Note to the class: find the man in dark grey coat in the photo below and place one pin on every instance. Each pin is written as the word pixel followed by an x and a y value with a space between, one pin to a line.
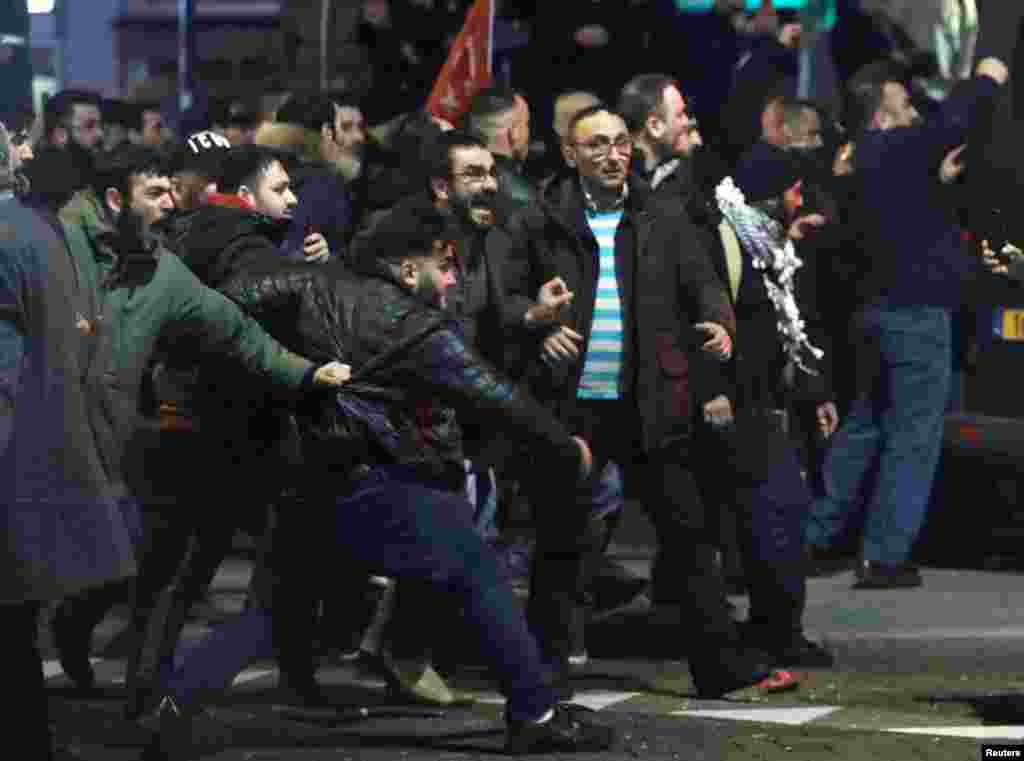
pixel 62 526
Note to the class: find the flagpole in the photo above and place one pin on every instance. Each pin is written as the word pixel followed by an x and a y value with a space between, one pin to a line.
pixel 325 26
pixel 490 41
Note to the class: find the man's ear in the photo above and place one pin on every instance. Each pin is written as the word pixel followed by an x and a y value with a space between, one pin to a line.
pixel 655 126
pixel 440 187
pixel 114 200
pixel 247 195
pixel 408 273
pixel 59 137
pixel 568 154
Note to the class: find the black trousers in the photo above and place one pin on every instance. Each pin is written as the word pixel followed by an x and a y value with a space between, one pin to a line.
pixel 196 490
pixel 684 572
pixel 29 729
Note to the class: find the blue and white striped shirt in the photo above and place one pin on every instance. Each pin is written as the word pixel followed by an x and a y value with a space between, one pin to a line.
pixel 602 366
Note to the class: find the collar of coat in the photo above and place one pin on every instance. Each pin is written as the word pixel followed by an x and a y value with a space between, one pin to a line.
pixel 569 203
pixel 85 211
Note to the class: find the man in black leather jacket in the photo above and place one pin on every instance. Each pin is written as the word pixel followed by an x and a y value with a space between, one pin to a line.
pixel 383 460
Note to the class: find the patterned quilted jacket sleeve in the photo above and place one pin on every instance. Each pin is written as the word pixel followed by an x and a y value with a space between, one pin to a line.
pixel 444 362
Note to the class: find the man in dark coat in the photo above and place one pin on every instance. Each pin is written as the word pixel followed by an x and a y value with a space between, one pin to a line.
pixel 383 461
pixel 740 474
pixel 627 370
pixel 63 528
pixel 462 178
pixel 885 455
pixel 327 134
pixel 140 296
pixel 236 437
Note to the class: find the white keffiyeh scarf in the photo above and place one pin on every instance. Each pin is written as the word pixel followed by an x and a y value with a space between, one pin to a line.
pixel 774 255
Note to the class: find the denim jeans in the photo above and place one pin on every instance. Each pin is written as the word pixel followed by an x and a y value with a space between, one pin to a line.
pixel 884 457
pixel 394 525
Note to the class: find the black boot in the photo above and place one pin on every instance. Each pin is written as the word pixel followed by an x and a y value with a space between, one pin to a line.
pixel 72 637
pixel 158 631
pixel 173 738
pixel 568 730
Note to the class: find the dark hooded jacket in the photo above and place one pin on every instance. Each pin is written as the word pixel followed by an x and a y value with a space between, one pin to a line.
pixel 223 238
pixel 218 242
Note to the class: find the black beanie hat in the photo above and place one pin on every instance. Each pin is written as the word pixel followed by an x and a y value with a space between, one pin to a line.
pixel 766 171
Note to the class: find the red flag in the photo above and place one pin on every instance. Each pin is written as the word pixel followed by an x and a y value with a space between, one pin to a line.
pixel 468 68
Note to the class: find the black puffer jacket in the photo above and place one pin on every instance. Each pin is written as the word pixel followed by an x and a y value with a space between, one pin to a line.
pixel 223 238
pixel 218 242
pixel 413 375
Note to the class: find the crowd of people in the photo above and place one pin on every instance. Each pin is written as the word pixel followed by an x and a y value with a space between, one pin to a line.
pixel 382 352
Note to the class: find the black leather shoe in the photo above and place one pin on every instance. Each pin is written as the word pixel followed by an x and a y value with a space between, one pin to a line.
pixel 820 561
pixel 173 739
pixel 738 670
pixel 141 700
pixel 72 643
pixel 567 731
pixel 801 653
pixel 795 651
pixel 558 676
pixel 305 692
pixel 874 575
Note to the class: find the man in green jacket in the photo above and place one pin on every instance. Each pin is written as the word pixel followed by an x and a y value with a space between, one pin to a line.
pixel 138 296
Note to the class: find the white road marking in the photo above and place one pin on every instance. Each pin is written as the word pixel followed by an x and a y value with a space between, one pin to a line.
pixel 978 732
pixel 595 700
pixel 792 716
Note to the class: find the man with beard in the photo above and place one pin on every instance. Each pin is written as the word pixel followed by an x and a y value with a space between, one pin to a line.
pixel 237 436
pixel 73 121
pixel 327 135
pixel 501 119
pixel 140 296
pixel 884 457
pixel 462 185
pixel 383 465
pixel 664 132
pixel 753 505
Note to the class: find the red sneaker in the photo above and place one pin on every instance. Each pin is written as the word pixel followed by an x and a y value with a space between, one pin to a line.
pixel 778 681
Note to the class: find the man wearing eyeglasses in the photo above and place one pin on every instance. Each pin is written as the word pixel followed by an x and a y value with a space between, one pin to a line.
pixel 648 322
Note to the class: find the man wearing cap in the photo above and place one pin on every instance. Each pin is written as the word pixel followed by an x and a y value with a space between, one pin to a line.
pixel 195 169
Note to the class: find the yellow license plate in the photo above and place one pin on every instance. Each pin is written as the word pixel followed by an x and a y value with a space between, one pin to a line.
pixel 1010 326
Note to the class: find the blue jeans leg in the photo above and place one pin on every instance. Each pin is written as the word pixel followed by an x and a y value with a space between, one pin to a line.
pixel 395 526
pixel 916 353
pixel 851 459
pixel 211 665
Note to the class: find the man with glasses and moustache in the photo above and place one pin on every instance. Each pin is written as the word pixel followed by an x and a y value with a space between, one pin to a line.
pixel 644 333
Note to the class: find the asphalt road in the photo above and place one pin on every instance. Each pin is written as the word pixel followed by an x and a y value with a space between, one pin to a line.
pixel 930 673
